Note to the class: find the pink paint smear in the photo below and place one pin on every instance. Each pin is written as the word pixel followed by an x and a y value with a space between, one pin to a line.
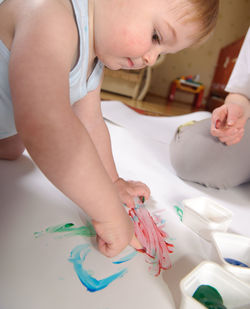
pixel 152 239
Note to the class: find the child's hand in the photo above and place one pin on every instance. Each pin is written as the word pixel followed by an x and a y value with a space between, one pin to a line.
pixel 128 190
pixel 114 236
pixel 135 243
pixel 228 123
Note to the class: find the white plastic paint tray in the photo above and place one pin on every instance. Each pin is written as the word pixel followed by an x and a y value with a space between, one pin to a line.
pixel 236 247
pixel 204 216
pixel 234 292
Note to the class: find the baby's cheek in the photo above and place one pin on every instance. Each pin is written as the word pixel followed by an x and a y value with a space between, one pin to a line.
pixel 135 45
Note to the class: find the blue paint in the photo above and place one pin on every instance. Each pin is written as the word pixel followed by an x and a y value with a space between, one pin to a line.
pixel 134 218
pixel 77 257
pixel 236 262
pixel 126 258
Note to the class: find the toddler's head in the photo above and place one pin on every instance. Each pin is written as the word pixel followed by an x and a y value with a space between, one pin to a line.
pixel 131 34
pixel 202 12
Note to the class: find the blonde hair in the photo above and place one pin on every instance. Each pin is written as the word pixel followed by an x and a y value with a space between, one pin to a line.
pixel 204 12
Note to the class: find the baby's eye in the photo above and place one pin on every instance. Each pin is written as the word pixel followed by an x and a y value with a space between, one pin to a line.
pixel 156 38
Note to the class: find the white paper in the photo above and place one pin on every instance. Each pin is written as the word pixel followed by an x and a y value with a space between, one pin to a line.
pixel 36 273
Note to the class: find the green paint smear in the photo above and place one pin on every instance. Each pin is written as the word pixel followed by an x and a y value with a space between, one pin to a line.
pixel 70 230
pixel 179 211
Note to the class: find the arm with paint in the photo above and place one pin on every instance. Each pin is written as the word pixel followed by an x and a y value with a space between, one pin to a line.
pixel 88 111
pixel 56 140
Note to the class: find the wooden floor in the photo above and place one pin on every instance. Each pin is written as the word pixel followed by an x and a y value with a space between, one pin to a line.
pixel 154 105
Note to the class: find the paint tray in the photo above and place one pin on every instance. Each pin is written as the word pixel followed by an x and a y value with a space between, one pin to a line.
pixel 236 247
pixel 204 216
pixel 234 292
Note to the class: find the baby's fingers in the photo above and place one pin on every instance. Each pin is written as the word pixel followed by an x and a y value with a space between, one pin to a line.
pixel 128 200
pixel 135 243
pixel 139 189
pixel 108 249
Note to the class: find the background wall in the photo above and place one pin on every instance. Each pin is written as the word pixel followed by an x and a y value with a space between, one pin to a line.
pixel 233 22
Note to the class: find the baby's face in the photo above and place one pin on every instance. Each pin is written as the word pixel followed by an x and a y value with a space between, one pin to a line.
pixel 131 34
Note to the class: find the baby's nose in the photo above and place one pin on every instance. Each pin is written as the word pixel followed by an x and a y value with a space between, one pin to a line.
pixel 150 58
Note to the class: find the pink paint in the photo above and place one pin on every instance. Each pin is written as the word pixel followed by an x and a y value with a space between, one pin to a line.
pixel 152 238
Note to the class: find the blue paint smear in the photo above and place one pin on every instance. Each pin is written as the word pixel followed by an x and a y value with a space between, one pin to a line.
pixel 77 257
pixel 235 262
pixel 126 258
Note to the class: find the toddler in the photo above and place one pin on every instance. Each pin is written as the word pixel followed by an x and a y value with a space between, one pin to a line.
pixel 52 54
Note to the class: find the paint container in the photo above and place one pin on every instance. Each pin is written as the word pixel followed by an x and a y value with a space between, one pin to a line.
pixel 204 216
pixel 236 247
pixel 234 292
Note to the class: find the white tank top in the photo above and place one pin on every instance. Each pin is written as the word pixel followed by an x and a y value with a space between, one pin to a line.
pixel 79 85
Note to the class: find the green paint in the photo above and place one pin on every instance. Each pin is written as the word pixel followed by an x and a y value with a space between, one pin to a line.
pixel 179 211
pixel 38 234
pixel 142 198
pixel 70 230
pixel 209 297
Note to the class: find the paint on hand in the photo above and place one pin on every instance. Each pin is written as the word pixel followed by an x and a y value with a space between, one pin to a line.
pixel 142 199
pixel 70 230
pixel 209 297
pixel 152 238
pixel 77 257
pixel 236 262
pixel 126 258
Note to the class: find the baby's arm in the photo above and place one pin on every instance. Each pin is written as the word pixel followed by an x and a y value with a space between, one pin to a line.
pixel 40 62
pixel 228 121
pixel 89 112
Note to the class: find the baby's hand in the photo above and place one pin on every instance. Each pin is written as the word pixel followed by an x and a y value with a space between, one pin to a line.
pixel 228 123
pixel 135 243
pixel 114 236
pixel 128 190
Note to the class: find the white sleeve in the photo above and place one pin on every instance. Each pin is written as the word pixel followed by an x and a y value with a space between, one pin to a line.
pixel 239 81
